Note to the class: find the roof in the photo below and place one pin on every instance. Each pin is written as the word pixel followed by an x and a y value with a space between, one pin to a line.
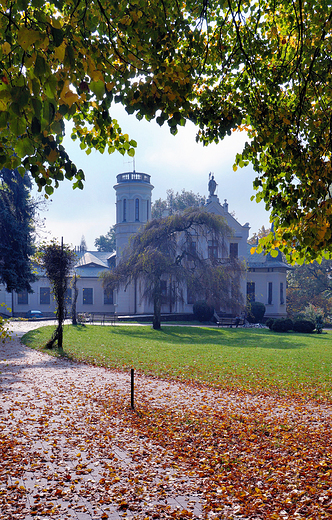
pixel 90 260
pixel 260 260
pixel 89 263
pixel 99 258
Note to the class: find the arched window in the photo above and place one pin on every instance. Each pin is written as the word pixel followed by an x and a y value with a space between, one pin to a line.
pixel 136 209
pixel 124 216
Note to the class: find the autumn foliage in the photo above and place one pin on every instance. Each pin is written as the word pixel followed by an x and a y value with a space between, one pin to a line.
pixel 260 67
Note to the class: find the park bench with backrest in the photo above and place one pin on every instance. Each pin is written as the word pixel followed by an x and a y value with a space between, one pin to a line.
pixel 228 321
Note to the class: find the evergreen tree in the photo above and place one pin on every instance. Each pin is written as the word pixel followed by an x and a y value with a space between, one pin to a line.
pixel 83 246
pixel 17 211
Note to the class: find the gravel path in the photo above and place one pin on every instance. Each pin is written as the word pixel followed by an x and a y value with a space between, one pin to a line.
pixel 65 456
pixel 46 413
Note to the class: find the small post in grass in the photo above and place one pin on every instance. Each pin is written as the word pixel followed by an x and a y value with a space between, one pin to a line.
pixel 132 389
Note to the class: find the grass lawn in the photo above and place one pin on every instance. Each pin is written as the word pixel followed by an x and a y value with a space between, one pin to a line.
pixel 253 359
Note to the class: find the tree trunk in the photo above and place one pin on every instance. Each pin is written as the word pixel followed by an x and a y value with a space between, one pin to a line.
pixel 74 302
pixel 156 323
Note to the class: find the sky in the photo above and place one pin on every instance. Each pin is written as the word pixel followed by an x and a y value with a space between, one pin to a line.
pixel 175 162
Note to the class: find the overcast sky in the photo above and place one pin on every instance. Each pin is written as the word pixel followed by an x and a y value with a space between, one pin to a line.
pixel 175 162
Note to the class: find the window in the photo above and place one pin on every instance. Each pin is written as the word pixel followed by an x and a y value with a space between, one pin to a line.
pixel 44 296
pixel 250 292
pixel 22 297
pixel 108 297
pixel 147 209
pixel 269 293
pixel 88 296
pixel 282 299
pixel 124 215
pixel 212 249
pixel 234 250
pixel 136 209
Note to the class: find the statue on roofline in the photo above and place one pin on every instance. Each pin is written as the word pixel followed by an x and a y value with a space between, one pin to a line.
pixel 212 184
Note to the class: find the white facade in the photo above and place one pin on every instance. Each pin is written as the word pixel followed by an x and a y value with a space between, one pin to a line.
pixel 265 277
pixel 91 295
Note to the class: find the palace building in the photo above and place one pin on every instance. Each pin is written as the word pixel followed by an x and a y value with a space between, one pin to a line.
pixel 264 279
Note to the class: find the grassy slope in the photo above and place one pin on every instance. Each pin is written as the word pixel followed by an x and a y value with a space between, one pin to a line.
pixel 251 358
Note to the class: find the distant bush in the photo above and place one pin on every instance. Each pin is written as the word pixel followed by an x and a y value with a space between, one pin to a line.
pixel 311 313
pixel 303 326
pixel 202 311
pixel 282 325
pixel 255 312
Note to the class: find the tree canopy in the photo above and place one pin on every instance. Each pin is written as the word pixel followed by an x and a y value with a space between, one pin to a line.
pixel 310 284
pixel 174 249
pixel 17 211
pixel 57 260
pixel 262 232
pixel 106 242
pixel 261 66
pixel 176 202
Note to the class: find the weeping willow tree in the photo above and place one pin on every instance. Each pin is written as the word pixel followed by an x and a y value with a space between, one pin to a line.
pixel 175 249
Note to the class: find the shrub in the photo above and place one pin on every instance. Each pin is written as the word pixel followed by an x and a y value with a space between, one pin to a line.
pixel 319 324
pixel 255 312
pixel 202 311
pixel 303 326
pixel 269 322
pixel 282 325
pixel 4 328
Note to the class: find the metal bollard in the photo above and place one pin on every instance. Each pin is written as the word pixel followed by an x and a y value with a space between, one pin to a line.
pixel 132 389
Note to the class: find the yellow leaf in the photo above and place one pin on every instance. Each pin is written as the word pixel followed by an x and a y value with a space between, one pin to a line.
pixel 96 75
pixel 65 89
pixel 59 52
pixel 5 98
pixel 109 86
pixel 6 48
pixel 27 37
pixel 51 158
pixel 70 98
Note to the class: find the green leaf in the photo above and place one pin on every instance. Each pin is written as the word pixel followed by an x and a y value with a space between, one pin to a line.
pixel 17 125
pixel 35 126
pixel 69 60
pixel 49 110
pixel 57 36
pixel 24 147
pixel 98 88
pixel 40 66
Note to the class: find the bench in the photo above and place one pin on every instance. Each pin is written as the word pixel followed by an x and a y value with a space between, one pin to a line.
pixel 228 322
pixel 97 318
pixel 104 318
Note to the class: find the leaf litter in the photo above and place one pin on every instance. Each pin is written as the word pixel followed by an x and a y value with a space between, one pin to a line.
pixel 72 448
